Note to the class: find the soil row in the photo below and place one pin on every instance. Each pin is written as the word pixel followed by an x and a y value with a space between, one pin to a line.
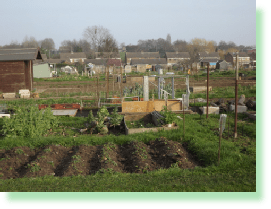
pixel 56 160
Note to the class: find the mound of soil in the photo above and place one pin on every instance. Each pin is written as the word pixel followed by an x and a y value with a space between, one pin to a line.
pixel 56 160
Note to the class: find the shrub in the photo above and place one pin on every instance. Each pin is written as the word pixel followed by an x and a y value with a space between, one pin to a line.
pixel 116 118
pixel 169 116
pixel 29 122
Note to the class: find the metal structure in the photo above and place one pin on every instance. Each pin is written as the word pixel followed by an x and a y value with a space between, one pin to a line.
pixel 100 103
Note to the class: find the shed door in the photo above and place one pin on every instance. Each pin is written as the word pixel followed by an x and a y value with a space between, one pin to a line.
pixel 27 75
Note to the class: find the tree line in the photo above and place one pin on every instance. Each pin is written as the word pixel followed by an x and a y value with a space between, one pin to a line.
pixel 99 39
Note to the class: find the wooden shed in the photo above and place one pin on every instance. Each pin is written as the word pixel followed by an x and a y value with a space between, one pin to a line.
pixel 16 69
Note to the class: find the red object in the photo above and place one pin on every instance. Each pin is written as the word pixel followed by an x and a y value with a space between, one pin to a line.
pixel 61 106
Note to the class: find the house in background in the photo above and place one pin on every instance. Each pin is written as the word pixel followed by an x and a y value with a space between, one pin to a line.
pixel 41 71
pixel 107 55
pixel 249 51
pixel 73 57
pixel 141 55
pixel 206 55
pixel 253 60
pixel 174 58
pixel 16 69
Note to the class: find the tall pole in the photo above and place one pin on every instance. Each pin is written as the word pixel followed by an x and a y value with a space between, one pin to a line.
pixel 121 94
pixel 207 91
pixel 220 135
pixel 98 90
pixel 236 96
pixel 183 117
pixel 113 80
pixel 159 91
pixel 107 73
pixel 173 93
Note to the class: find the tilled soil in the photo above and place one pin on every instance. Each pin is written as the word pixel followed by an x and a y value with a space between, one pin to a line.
pixel 87 86
pixel 56 160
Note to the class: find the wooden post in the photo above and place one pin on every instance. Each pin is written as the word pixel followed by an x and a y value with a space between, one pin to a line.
pixel 228 127
pixel 220 135
pixel 113 79
pixel 98 90
pixel 183 117
pixel 207 91
pixel 236 97
pixel 107 83
pixel 121 95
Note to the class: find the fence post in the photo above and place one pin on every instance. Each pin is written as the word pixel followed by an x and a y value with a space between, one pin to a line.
pixel 220 135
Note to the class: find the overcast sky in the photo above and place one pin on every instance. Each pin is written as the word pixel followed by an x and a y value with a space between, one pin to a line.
pixel 130 21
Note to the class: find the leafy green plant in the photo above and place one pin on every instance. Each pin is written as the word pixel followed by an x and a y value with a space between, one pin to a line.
pixel 76 158
pixel 115 118
pixel 90 117
pixel 19 151
pixel 29 122
pixel 169 116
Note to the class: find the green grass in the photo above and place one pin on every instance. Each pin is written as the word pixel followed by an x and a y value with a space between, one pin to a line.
pixel 173 179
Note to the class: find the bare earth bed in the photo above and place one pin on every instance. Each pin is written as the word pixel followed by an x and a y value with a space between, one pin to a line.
pixel 56 160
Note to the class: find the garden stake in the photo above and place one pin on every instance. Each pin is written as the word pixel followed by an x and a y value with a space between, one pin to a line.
pixel 236 95
pixel 107 84
pixel 183 117
pixel 207 91
pixel 220 135
pixel 97 90
pixel 228 127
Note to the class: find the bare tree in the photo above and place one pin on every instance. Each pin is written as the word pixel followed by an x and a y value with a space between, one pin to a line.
pixel 96 36
pixel 231 44
pixel 13 45
pixel 222 45
pixel 48 44
pixel 180 45
pixel 30 42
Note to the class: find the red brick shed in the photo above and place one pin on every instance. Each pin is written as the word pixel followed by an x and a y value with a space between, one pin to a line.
pixel 16 69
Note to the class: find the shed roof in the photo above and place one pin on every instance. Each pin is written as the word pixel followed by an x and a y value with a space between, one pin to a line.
pixel 177 55
pixel 95 61
pixel 55 61
pixel 148 61
pixel 116 62
pixel 142 55
pixel 208 55
pixel 203 54
pixel 73 55
pixel 213 54
pixel 20 54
